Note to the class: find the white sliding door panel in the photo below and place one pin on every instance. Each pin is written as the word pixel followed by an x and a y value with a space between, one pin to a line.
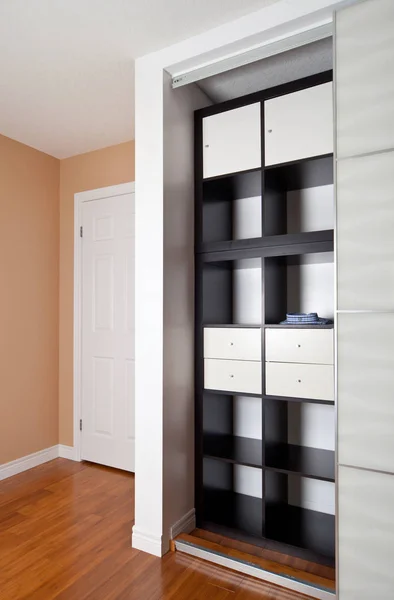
pixel 365 299
pixel 108 332
pixel 365 389
pixel 299 125
pixel 232 141
pixel 366 542
pixel 365 233
pixel 365 78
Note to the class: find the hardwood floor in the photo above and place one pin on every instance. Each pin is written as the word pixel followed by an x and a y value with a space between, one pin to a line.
pixel 65 532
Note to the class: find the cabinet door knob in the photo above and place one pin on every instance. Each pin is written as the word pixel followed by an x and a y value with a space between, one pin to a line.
pixel 269 130
pixel 231 376
pixel 299 380
pixel 231 343
pixel 298 345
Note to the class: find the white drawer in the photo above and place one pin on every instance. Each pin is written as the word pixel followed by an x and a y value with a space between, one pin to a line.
pixel 299 381
pixel 314 346
pixel 233 375
pixel 299 125
pixel 232 343
pixel 232 141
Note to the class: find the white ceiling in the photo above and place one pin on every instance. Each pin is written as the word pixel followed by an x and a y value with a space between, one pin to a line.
pixel 66 66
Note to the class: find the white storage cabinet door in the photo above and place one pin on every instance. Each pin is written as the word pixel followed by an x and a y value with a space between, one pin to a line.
pixel 232 141
pixel 299 125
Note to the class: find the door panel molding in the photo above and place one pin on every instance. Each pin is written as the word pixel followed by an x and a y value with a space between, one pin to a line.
pixel 79 199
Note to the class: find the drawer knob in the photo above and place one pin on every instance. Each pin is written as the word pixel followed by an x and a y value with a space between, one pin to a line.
pixel 298 345
pixel 231 376
pixel 299 380
pixel 231 343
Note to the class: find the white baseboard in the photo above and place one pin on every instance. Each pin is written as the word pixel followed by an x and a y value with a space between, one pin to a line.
pixel 28 462
pixel 37 458
pixel 67 452
pixel 185 525
pixel 146 542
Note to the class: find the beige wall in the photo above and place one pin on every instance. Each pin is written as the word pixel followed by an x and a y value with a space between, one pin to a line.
pixel 101 168
pixel 29 234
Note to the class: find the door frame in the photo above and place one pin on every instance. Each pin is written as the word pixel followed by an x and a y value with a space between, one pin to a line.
pixel 79 198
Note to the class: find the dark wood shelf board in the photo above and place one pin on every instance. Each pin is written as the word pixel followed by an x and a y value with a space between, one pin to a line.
pixel 261 96
pixel 289 399
pixel 300 326
pixel 307 529
pixel 234 449
pixel 293 250
pixel 226 393
pixel 230 509
pixel 231 326
pixel 265 397
pixel 265 243
pixel 308 462
pixel 233 174
pixel 314 463
pixel 226 245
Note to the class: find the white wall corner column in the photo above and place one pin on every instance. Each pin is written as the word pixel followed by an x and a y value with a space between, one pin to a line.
pixel 148 528
pixel 365 299
pixel 156 264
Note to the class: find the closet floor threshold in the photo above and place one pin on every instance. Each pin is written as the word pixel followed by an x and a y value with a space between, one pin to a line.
pixel 270 571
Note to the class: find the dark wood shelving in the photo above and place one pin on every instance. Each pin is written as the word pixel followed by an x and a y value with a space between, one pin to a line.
pixel 307 529
pixel 302 460
pixel 234 449
pixel 232 510
pixel 274 245
pixel 262 202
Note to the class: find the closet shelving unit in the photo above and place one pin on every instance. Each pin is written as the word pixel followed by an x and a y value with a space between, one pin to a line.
pixel 273 243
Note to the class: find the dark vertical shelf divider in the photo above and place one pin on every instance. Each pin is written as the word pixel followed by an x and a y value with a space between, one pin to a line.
pixel 218 451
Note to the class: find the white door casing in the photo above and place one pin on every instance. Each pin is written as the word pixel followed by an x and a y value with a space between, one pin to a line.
pixel 107 329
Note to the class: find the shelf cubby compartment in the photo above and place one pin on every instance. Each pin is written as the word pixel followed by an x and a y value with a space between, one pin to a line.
pixel 298 197
pixel 315 463
pixel 299 283
pixel 224 505
pixel 231 292
pixel 231 209
pixel 289 521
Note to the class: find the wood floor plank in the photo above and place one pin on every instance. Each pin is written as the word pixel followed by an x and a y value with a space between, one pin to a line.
pixel 65 531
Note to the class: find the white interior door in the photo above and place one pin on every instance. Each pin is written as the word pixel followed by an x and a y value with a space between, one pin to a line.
pixel 108 332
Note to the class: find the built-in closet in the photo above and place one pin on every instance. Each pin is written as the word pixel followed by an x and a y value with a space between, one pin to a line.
pixel 264 390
